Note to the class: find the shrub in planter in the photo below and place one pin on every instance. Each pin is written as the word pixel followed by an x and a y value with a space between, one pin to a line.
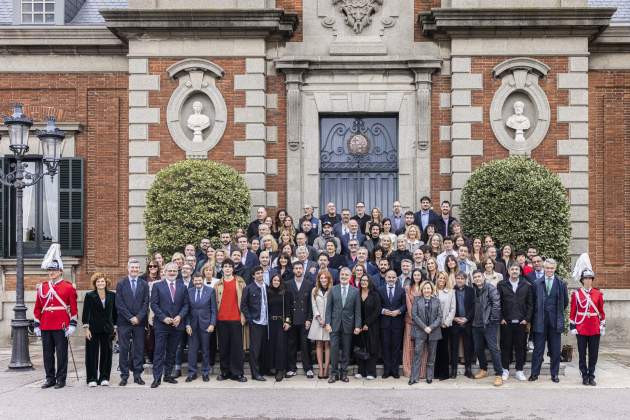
pixel 519 202
pixel 193 199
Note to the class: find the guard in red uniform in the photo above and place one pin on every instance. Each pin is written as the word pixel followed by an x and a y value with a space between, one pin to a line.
pixel 55 320
pixel 587 321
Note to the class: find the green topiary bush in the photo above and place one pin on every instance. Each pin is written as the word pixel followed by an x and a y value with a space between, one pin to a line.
pixel 193 199
pixel 520 202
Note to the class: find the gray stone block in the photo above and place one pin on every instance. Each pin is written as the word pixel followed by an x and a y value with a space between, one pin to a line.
pixel 445 166
pixel 144 148
pixel 137 231
pixel 578 246
pixel 138 98
pixel 258 197
pixel 445 133
pixel 445 196
pixel 138 132
pixel 136 214
pixel 249 115
pixel 272 134
pixel 459 179
pixel 138 198
pixel 138 249
pixel 255 132
pixel 272 166
pixel 144 115
pixel 466 81
pixel 578 64
pixel 579 230
pixel 255 181
pixel 573 114
pixel 461 164
pixel 255 164
pixel 272 101
pixel 467 114
pixel 272 199
pixel 249 148
pixel 456 197
pixel 144 82
pixel 578 163
pixel 138 65
pixel 140 181
pixel 579 213
pixel 579 197
pixel 461 97
pixel 460 131
pixel 572 147
pixel 138 165
pixel 573 81
pixel 255 65
pixel 249 82
pixel 255 98
pixel 460 65
pixel 578 97
pixel 578 131
pixel 467 148
pixel 445 100
pixel 573 180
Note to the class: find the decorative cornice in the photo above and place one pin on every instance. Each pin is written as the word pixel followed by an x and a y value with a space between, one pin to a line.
pixel 191 64
pixel 616 38
pixel 59 40
pixel 275 24
pixel 482 23
pixel 520 63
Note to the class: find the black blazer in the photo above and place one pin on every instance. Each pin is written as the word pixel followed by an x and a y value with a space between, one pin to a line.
pixel 441 228
pixel 469 304
pixel 399 302
pixel 101 320
pixel 302 307
pixel 251 302
pixel 519 305
pixel 129 305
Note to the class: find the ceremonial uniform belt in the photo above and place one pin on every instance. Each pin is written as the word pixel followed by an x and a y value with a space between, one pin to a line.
pixel 588 314
pixel 54 308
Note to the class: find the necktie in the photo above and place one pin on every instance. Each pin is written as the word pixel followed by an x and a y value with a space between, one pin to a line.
pixel 548 283
pixel 391 293
pixel 133 286
pixel 172 286
pixel 343 295
pixel 198 295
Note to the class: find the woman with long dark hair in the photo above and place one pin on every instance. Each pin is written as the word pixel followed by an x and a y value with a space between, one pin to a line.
pixel 370 338
pixel 413 291
pixel 279 300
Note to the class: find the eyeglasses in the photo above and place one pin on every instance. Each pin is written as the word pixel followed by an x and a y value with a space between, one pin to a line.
pixel 153 266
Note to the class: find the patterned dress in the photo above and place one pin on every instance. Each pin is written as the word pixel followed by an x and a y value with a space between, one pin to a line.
pixel 408 342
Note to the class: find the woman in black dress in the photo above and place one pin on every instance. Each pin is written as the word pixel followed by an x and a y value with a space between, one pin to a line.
pixel 369 339
pixel 99 318
pixel 279 300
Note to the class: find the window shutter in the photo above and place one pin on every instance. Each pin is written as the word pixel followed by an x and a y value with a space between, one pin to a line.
pixel 3 216
pixel 71 201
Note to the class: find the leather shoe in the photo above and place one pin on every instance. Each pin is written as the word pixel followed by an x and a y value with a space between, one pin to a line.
pixel 48 385
pixel 178 373
pixel 206 378
pixel 533 378
pixel 468 373
pixel 191 378
pixel 591 382
pixel 385 376
pixel 344 378
pixel 453 374
pixel 259 378
pixel 170 380
pixel 138 380
pixel 155 384
pixel 222 377
pixel 411 382
pixel 555 379
pixel 279 376
pixel 585 380
pixel 60 385
pixel 241 379
pixel 429 380
pixel 332 379
pixel 123 382
pixel 396 376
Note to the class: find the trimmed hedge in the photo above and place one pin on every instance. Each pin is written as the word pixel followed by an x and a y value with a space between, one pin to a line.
pixel 520 202
pixel 193 199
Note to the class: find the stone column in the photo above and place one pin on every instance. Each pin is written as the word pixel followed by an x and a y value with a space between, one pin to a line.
pixel 294 81
pixel 423 155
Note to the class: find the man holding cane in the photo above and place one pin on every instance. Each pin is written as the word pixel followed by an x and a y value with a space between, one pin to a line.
pixel 55 321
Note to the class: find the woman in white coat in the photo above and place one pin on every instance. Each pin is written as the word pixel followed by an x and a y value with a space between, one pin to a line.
pixel 317 332
pixel 446 295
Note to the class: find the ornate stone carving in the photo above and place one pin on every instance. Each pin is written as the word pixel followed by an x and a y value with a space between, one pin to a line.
pixel 519 113
pixel 358 13
pixel 196 113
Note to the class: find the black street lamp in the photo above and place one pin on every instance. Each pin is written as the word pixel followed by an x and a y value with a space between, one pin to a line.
pixel 51 142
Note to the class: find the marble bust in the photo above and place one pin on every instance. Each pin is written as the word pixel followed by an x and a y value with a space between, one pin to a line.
pixel 518 121
pixel 198 122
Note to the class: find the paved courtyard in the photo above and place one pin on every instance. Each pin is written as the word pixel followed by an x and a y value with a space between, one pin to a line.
pixel 300 398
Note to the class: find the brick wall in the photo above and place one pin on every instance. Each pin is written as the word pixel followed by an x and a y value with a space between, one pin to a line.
pixel 439 149
pixel 546 152
pixel 609 182
pixel 99 103
pixel 278 118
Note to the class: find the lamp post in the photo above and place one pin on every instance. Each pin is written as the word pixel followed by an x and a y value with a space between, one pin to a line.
pixel 51 142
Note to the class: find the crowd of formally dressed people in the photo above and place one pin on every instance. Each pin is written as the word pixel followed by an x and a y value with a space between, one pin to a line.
pixel 409 290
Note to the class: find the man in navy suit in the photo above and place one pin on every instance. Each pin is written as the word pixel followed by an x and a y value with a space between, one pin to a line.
pixel 169 303
pixel 394 305
pixel 551 298
pixel 200 323
pixel 248 258
pixel 353 233
pixel 132 306
pixel 425 216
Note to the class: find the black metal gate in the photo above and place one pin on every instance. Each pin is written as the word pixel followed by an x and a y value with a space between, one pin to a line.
pixel 359 161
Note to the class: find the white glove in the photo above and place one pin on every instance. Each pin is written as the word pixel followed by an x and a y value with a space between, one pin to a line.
pixel 71 329
pixel 37 331
pixel 573 331
pixel 602 327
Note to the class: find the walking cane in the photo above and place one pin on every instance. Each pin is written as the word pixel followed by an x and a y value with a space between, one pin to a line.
pixel 71 354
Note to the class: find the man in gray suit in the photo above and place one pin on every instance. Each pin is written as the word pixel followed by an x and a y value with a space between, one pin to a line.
pixel 343 318
pixel 200 323
pixel 427 318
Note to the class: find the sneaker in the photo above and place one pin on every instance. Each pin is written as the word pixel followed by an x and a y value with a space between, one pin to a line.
pixel 520 375
pixel 104 383
pixel 505 375
pixel 370 378
pixel 92 384
pixel 530 345
pixel 290 374
pixel 498 381
pixel 310 374
pixel 481 374
pixel 358 376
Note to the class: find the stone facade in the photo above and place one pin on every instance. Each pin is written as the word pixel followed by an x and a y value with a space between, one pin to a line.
pixel 285 63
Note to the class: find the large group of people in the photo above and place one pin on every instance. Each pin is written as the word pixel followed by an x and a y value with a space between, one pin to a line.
pixel 410 290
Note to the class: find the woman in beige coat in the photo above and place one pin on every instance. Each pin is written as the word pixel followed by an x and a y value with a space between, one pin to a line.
pixel 446 295
pixel 317 332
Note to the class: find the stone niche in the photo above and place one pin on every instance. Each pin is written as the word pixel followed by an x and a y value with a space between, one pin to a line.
pixel 196 94
pixel 520 113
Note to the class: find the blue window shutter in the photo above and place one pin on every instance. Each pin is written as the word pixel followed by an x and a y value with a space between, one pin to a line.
pixel 71 203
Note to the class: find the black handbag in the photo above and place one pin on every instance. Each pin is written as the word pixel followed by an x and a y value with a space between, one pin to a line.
pixel 361 353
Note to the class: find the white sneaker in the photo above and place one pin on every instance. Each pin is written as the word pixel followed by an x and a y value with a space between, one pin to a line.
pixel 505 375
pixel 291 373
pixel 358 376
pixel 530 345
pixel 104 383
pixel 520 375
pixel 370 378
pixel 92 384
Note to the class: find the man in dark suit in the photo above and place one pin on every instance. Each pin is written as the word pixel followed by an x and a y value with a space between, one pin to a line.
pixel 343 318
pixel 241 270
pixel 132 306
pixel 252 228
pixel 551 298
pixel 394 305
pixel 361 216
pixel 323 264
pixel 445 220
pixel 256 311
pixel 341 227
pixel 200 323
pixel 538 273
pixel 462 324
pixel 353 233
pixel 248 258
pixel 425 216
pixel 409 220
pixel 331 215
pixel 301 287
pixel 169 303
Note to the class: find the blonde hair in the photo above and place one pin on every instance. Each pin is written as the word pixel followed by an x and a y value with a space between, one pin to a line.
pixel 424 283
pixel 414 227
pixel 274 244
pixel 448 282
